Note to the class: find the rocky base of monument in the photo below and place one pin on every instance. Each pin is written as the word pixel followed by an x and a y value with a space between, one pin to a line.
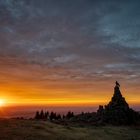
pixel 117 112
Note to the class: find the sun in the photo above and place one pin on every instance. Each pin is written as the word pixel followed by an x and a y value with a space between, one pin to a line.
pixel 2 102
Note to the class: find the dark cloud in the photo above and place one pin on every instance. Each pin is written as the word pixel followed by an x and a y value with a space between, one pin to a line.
pixel 88 37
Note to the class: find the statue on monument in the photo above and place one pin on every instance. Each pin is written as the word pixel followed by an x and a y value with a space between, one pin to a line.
pixel 117 84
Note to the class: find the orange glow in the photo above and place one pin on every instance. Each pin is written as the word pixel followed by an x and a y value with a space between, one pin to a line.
pixel 26 91
pixel 59 102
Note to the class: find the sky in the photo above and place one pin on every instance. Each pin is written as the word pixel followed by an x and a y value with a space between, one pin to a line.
pixel 69 52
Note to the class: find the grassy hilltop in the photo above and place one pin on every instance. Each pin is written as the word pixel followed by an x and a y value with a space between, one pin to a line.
pixel 11 129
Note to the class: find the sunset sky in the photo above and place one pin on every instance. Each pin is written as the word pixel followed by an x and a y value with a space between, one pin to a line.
pixel 69 52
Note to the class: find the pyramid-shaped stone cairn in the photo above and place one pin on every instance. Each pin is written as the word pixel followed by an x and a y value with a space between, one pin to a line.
pixel 117 111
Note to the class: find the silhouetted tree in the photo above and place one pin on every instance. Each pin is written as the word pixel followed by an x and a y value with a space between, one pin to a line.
pixel 63 117
pixel 69 115
pixel 46 115
pixel 82 113
pixel 58 117
pixel 42 116
pixel 37 115
pixel 52 116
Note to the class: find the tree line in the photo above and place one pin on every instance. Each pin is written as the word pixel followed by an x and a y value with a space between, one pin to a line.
pixel 41 115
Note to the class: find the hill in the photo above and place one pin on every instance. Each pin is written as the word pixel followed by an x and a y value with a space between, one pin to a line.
pixel 12 129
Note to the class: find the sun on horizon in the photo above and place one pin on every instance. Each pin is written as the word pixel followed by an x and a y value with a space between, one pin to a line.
pixel 2 102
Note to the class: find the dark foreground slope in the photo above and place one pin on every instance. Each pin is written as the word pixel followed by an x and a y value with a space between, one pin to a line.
pixel 42 130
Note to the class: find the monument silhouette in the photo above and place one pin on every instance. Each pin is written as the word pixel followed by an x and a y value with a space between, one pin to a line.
pixel 117 111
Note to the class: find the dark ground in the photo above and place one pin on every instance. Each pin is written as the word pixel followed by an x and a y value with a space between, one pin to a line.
pixel 12 129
